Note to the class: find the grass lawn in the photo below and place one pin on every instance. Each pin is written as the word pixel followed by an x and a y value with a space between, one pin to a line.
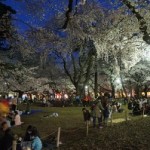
pixel 128 135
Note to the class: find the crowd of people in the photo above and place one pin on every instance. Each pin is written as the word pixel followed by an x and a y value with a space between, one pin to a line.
pixel 103 107
pixel 139 106
pixel 31 140
pixel 101 110
pixel 12 119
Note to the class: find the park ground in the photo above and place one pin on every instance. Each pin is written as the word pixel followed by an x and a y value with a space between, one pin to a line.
pixel 133 134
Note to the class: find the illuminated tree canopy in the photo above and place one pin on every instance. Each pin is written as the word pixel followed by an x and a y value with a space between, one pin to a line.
pixel 75 38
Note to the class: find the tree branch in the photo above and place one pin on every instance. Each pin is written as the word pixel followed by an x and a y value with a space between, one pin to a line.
pixel 68 12
pixel 141 20
pixel 65 67
pixel 74 67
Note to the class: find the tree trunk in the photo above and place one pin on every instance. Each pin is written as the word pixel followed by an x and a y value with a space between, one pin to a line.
pixel 96 84
pixel 123 87
pixel 143 25
pixel 131 94
pixel 130 89
pixel 138 91
pixel 120 73
pixel 96 78
pixel 100 91
pixel 146 90
pixel 112 88
pixel 122 93
pixel 79 89
pixel 20 93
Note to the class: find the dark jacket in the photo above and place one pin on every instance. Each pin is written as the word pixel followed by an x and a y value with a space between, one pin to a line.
pixel 7 140
pixel 27 137
pixel 86 115
pixel 1 137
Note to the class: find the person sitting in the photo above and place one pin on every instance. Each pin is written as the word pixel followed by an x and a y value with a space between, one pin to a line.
pixel 119 109
pixel 136 109
pixel 114 108
pixel 7 139
pixel 27 140
pixel 130 105
pixel 27 136
pixel 44 102
pixel 17 119
pixel 1 130
pixel 2 119
pixel 36 143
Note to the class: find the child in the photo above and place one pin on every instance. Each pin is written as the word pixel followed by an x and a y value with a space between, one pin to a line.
pixel 86 115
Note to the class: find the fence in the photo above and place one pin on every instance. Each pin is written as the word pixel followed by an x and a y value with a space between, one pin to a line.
pixel 14 143
pixel 111 121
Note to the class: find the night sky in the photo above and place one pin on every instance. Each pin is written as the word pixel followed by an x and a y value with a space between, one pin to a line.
pixel 34 20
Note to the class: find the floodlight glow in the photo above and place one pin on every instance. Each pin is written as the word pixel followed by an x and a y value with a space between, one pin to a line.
pixel 86 87
pixel 118 81
pixel 65 96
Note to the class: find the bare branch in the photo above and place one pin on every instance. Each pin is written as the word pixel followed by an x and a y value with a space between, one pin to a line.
pixel 141 20
pixel 68 12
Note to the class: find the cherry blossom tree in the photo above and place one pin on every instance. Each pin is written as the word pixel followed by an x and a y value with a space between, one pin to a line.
pixel 78 65
pixel 139 76
pixel 143 24
pixel 117 36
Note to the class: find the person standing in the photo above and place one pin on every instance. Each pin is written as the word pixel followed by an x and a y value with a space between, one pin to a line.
pixel 97 111
pixel 105 104
pixel 86 115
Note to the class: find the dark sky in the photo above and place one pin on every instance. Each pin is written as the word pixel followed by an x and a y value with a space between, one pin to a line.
pixel 24 15
pixel 32 18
